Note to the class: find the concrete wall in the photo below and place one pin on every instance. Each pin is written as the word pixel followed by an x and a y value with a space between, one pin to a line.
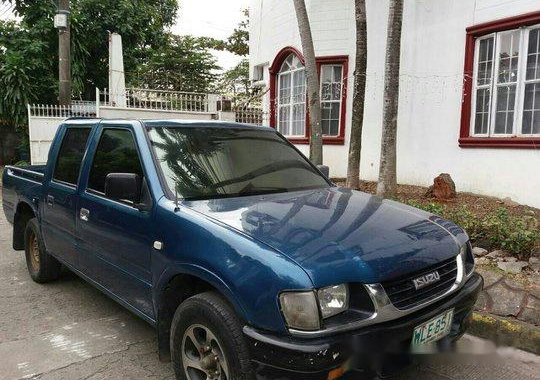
pixel 433 48
pixel 41 133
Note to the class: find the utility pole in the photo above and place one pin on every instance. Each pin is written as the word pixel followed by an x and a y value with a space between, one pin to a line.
pixel 61 22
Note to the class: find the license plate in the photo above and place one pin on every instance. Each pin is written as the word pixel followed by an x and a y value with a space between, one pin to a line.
pixel 434 329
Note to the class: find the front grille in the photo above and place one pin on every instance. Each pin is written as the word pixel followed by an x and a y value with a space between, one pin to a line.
pixel 404 295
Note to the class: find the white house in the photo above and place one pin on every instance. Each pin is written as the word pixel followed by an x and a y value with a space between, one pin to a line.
pixel 469 90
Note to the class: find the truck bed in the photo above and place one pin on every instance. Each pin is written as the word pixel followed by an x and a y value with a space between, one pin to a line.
pixel 21 184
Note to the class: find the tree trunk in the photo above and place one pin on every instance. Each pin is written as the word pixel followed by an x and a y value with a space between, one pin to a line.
pixel 312 81
pixel 387 169
pixel 355 144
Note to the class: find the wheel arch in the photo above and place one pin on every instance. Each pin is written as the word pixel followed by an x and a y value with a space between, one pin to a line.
pixel 23 213
pixel 178 284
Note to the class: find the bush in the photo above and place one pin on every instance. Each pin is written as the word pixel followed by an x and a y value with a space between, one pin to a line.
pixel 518 235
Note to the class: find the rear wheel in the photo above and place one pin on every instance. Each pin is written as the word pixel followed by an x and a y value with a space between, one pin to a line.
pixel 41 266
pixel 207 342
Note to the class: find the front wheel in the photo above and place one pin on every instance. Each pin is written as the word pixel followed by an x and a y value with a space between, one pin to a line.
pixel 207 342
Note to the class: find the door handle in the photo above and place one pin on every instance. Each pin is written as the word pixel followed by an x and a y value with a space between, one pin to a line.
pixel 50 200
pixel 84 214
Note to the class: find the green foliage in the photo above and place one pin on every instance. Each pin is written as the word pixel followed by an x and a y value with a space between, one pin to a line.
pixel 28 48
pixel 434 208
pixel 238 41
pixel 514 234
pixel 180 63
pixel 517 234
pixel 24 73
pixel 141 23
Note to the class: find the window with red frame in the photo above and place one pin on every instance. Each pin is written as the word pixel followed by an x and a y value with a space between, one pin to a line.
pixel 502 101
pixel 331 81
pixel 506 97
pixel 291 98
pixel 288 97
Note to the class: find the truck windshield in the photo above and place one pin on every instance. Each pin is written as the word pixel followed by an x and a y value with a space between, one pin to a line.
pixel 206 163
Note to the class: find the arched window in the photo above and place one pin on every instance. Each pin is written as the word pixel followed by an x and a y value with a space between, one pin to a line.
pixel 288 96
pixel 291 97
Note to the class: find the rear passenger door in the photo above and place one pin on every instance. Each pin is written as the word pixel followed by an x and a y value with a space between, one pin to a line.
pixel 115 235
pixel 58 212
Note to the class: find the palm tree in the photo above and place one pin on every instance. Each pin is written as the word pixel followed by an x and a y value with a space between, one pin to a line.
pixel 355 144
pixel 387 184
pixel 314 102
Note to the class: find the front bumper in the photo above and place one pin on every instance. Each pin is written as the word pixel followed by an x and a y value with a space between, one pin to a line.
pixel 314 358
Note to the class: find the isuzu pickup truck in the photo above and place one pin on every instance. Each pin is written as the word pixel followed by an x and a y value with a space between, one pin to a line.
pixel 242 254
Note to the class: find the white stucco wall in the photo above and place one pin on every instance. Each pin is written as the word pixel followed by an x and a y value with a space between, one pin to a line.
pixel 41 131
pixel 433 49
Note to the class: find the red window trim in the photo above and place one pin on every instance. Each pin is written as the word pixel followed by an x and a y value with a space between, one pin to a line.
pixel 274 71
pixel 473 32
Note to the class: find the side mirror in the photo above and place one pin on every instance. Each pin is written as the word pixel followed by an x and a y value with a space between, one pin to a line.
pixel 123 186
pixel 325 170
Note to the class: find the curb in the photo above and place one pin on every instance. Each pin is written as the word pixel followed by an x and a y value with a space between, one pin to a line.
pixel 506 332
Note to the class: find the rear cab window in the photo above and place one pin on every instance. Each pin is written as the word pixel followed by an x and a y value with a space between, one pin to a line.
pixel 70 155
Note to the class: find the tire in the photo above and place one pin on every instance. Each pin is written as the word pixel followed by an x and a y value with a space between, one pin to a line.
pixel 42 267
pixel 209 319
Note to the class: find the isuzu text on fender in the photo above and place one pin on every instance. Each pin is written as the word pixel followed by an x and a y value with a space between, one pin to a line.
pixel 242 254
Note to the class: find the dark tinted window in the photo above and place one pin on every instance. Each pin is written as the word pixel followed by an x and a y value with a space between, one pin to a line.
pixel 68 163
pixel 116 153
pixel 226 162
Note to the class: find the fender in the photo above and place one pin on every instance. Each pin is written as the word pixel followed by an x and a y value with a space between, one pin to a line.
pixel 164 318
pixel 33 205
pixel 202 273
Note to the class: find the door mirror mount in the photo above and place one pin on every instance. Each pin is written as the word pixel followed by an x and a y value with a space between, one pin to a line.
pixel 142 207
pixel 325 170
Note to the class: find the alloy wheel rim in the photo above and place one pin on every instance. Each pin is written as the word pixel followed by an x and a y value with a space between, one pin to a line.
pixel 202 355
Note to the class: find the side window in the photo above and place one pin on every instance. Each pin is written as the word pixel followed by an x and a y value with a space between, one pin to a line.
pixel 116 153
pixel 68 162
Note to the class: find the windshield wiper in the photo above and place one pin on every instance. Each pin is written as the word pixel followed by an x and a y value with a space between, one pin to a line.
pixel 247 190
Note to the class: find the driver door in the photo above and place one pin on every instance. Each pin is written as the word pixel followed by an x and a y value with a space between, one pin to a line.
pixel 115 235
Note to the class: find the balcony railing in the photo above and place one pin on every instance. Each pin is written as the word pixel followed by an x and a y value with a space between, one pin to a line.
pixel 252 115
pixel 159 100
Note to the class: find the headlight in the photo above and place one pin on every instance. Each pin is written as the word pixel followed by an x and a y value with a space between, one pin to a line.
pixel 300 310
pixel 467 258
pixel 333 300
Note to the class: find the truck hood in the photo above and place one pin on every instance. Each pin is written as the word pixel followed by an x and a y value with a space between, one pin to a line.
pixel 338 235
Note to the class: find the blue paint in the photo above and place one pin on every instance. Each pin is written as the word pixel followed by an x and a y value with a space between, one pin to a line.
pixel 250 248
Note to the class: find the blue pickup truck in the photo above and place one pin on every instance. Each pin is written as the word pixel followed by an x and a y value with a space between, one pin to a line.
pixel 246 259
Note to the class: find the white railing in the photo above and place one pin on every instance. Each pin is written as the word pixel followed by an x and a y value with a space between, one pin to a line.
pixel 77 109
pixel 140 98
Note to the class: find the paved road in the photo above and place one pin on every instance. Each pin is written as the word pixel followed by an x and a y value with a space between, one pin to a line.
pixel 68 330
